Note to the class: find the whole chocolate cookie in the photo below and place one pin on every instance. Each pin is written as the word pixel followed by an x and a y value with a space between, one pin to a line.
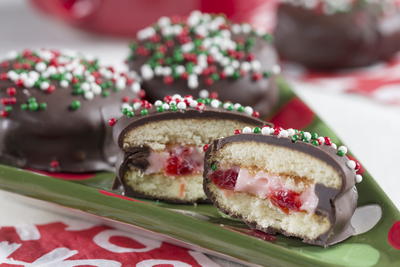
pixel 327 34
pixel 54 110
pixel 286 181
pixel 184 55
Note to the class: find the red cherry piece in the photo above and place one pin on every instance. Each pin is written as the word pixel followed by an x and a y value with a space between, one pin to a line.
pixel 394 235
pixel 286 200
pixel 112 121
pixel 11 91
pixel 224 179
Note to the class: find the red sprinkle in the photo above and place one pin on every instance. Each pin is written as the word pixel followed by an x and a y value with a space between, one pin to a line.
pixel 328 141
pixel 205 147
pixel 11 91
pixel 54 164
pixel 168 79
pixel 3 76
pixel 237 131
pixel 257 76
pixel 125 99
pixel 50 89
pixel 141 94
pixel 256 114
pixel 214 95
pixel 3 113
pixel 112 121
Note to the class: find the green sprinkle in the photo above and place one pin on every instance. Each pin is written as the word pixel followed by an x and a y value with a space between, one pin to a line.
pixel 314 136
pixel 76 104
pixel 105 93
pixel 340 153
pixel 230 107
pixel 31 100
pixel 43 106
pixel 236 75
pixel 130 114
pixel 268 37
pixel 266 74
pixel 24 106
pixel 207 101
pixel 214 166
pixel 295 138
pixel 160 109
pixel 33 106
pixel 257 130
pixel 8 108
pixel 240 109
pixel 173 108
pixel 315 142
pixel 125 111
pixel 215 76
pixel 144 112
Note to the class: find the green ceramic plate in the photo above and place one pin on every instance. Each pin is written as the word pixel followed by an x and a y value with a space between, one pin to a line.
pixel 204 227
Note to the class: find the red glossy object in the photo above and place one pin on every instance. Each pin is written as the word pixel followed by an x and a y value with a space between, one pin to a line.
pixel 287 200
pixel 182 162
pixel 394 235
pixel 126 17
pixel 225 179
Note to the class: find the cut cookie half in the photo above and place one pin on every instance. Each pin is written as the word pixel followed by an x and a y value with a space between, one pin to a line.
pixel 286 181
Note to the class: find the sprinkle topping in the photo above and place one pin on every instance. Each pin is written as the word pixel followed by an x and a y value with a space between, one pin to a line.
pixel 179 103
pixel 306 137
pixel 202 46
pixel 45 70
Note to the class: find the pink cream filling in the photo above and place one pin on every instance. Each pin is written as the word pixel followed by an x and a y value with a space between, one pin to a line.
pixel 176 161
pixel 264 185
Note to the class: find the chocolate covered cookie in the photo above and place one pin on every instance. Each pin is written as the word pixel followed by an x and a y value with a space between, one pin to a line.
pixel 286 181
pixel 184 55
pixel 54 110
pixel 162 144
pixel 330 34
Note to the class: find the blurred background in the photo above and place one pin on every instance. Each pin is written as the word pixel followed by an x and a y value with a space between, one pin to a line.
pixel 369 126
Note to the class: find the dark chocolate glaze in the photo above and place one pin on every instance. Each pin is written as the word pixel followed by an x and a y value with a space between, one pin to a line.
pixel 80 140
pixel 337 205
pixel 355 38
pixel 261 94
pixel 136 157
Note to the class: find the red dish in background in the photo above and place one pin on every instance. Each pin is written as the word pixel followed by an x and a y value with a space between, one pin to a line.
pixel 126 17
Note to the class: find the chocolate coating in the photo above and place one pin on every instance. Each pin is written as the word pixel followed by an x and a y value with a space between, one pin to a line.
pixel 337 205
pixel 355 38
pixel 77 140
pixel 137 156
pixel 262 94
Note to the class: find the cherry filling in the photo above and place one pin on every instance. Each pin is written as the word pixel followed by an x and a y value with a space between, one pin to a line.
pixel 287 200
pixel 266 186
pixel 183 160
pixel 225 179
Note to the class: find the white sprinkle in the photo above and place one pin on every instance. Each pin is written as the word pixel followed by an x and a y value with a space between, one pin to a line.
pixel 247 130
pixel 120 83
pixel 227 105
pixel 172 102
pixel 229 70
pixel 11 55
pixel 359 178
pixel 12 75
pixel 135 87
pixel 158 70
pixel 158 103
pixel 29 83
pixel 96 89
pixel 256 65
pixel 291 132
pixel 64 83
pixel 85 86
pixel 136 105
pixel 283 133
pixel 215 103
pixel 164 21
pixel 236 29
pixel 147 72
pixel 276 69
pixel 165 106
pixel 44 85
pixel 192 81
pixel 235 64
pixel 351 164
pixel 245 66
pixel 34 75
pixel 166 71
pixel 307 135
pixel 193 103
pixel 334 145
pixel 126 106
pixel 177 96
pixel 89 95
pixel 41 66
pixel 321 140
pixel 180 69
pixel 246 28
pixel 343 149
pixel 181 105
pixel 236 106
pixel 266 130
pixel 248 110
